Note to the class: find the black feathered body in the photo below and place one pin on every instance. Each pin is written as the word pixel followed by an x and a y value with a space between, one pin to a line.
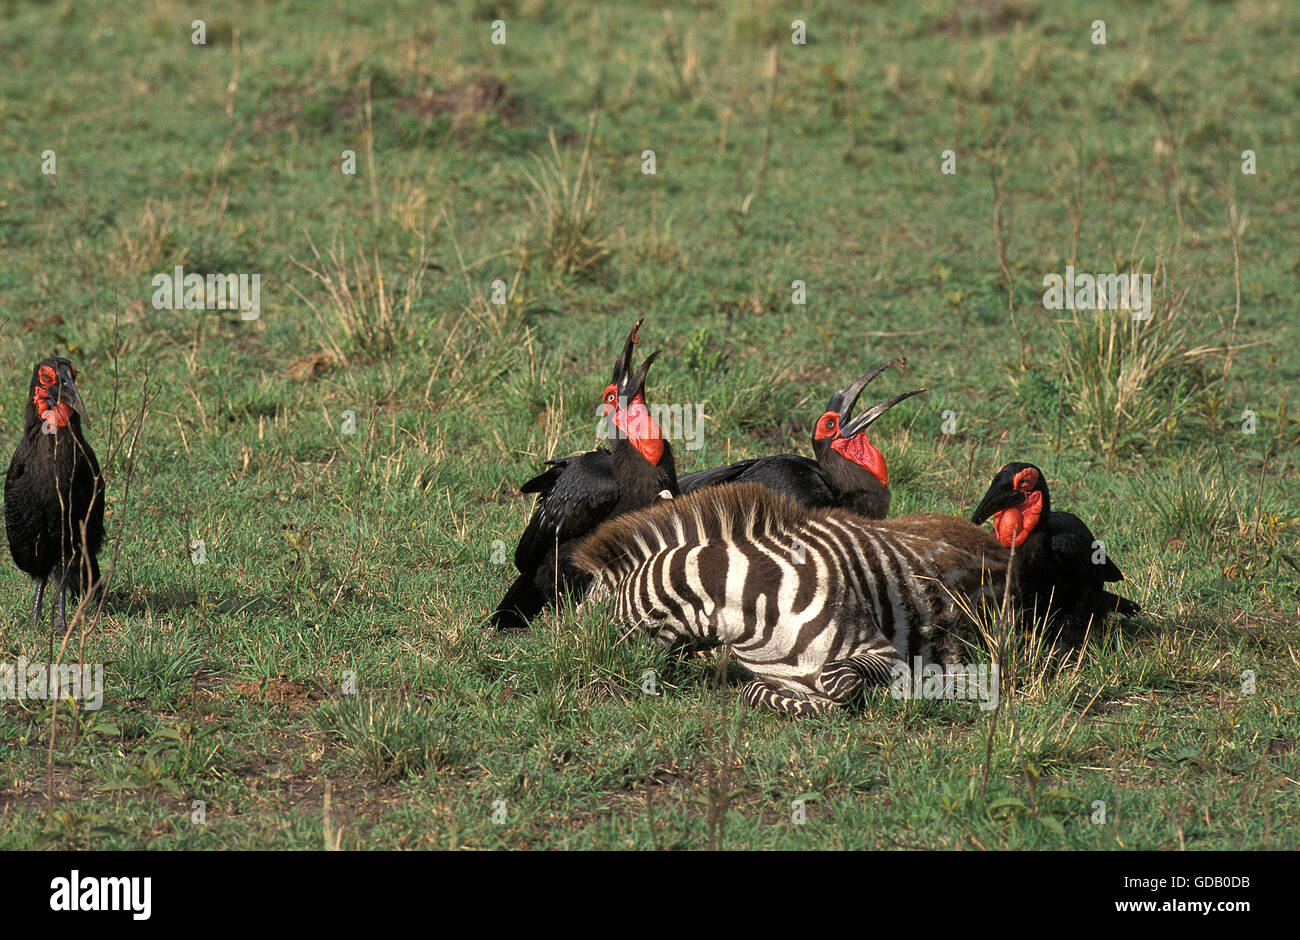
pixel 1056 575
pixel 53 488
pixel 800 478
pixel 572 496
pixel 831 481
pixel 1059 571
pixel 575 496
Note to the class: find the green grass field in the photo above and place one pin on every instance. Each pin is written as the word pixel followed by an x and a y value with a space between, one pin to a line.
pixel 324 679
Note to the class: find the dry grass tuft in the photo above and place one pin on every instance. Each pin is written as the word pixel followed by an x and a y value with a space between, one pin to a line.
pixel 145 247
pixel 364 312
pixel 1128 382
pixel 564 204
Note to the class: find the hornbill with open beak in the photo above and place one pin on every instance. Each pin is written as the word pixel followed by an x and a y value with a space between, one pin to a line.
pixel 578 493
pixel 849 471
pixel 54 492
pixel 1059 570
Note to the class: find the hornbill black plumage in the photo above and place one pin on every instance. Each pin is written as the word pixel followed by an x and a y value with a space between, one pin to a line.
pixel 54 492
pixel 578 493
pixel 849 471
pixel 1059 570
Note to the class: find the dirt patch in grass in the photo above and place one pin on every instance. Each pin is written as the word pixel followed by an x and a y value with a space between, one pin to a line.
pixel 31 792
pixel 279 691
pixel 310 366
pixel 987 16
pixel 465 103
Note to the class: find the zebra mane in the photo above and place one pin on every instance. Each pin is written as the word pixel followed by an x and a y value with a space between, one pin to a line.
pixel 733 512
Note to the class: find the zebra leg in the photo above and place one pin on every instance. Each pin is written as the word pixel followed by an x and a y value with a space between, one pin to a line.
pixel 760 693
pixel 843 679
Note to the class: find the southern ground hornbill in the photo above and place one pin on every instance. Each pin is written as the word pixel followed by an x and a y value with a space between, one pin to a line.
pixel 54 492
pixel 578 493
pixel 1058 570
pixel 849 471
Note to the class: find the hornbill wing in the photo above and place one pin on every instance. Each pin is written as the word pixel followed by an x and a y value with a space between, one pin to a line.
pixel 801 478
pixel 1072 546
pixel 24 513
pixel 713 476
pixel 545 481
pixel 1072 539
pixel 577 493
pixel 89 481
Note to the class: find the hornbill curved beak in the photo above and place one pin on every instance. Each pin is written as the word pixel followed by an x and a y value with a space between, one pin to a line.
pixel 623 364
pixel 627 412
pixel 995 501
pixel 629 381
pixel 844 400
pixel 636 384
pixel 68 393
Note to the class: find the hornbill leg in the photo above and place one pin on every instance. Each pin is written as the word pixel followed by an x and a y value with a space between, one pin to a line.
pixel 36 612
pixel 760 693
pixel 63 614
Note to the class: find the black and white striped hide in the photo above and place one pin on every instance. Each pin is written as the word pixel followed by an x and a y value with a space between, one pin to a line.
pixel 814 603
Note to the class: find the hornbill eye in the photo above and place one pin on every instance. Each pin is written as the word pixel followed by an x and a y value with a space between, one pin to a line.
pixel 830 423
pixel 1026 480
pixel 47 376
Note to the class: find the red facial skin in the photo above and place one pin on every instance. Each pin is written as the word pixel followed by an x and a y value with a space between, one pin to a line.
pixel 856 448
pixel 1012 526
pixel 57 412
pixel 635 422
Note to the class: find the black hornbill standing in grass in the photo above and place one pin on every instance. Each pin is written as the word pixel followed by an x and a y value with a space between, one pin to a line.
pixel 849 471
pixel 1059 570
pixel 578 493
pixel 54 492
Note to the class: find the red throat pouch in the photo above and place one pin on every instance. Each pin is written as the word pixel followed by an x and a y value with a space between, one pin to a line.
pixel 641 431
pixel 1012 526
pixel 59 413
pixel 865 454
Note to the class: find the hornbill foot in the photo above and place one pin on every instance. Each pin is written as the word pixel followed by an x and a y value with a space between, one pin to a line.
pixel 1122 605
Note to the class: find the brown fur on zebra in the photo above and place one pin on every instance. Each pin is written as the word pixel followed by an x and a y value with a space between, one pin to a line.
pixel 814 603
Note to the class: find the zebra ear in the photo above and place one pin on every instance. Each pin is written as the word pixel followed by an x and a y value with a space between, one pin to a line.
pixel 599 593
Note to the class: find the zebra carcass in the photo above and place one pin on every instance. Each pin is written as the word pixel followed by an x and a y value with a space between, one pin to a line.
pixel 814 603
